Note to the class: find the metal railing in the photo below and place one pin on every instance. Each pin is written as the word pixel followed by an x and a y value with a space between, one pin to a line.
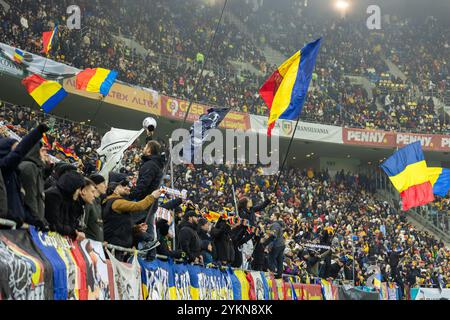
pixel 8 223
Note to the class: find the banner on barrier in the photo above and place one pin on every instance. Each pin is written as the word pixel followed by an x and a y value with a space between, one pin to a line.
pixel 432 294
pixel 176 109
pixel 363 137
pixel 98 283
pixel 350 293
pixel 305 130
pixel 384 139
pixel 10 68
pixel 127 279
pixel 35 64
pixel 25 275
pixel 311 292
pixel 124 95
pixel 329 290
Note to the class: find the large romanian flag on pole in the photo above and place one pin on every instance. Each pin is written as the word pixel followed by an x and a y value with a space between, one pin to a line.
pixel 96 80
pixel 286 90
pixel 47 40
pixel 408 172
pixel 46 93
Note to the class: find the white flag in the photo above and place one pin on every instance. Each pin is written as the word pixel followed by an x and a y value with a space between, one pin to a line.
pixel 5 5
pixel 114 144
pixel 24 22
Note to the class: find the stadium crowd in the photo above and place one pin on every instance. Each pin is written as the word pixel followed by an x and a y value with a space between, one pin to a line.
pixel 173 48
pixel 314 225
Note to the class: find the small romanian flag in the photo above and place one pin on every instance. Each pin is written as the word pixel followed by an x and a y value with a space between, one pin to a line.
pixel 212 216
pixel 377 281
pixel 66 152
pixel 47 40
pixel 18 55
pixel 98 165
pixel 96 80
pixel 410 175
pixel 286 90
pixel 46 142
pixel 46 93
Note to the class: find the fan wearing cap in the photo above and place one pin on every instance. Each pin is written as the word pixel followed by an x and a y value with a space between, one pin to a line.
pixel 117 214
pixel 61 205
pixel 188 238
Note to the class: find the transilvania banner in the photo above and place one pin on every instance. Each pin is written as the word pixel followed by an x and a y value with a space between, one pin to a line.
pixel 305 131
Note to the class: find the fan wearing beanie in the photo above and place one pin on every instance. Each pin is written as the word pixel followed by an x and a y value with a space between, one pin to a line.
pixel 61 209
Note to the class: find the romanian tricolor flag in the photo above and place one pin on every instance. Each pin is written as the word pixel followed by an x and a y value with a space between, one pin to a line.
pixel 18 55
pixel 286 90
pixel 47 40
pixel 96 80
pixel 440 180
pixel 409 174
pixel 66 152
pixel 46 93
pixel 46 142
pixel 377 281
pixel 98 165
pixel 212 216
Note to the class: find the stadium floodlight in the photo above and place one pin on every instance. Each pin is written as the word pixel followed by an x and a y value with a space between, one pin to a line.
pixel 342 5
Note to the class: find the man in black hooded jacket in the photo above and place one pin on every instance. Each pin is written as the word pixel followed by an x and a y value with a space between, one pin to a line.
pixel 32 178
pixel 61 205
pixel 188 239
pixel 150 173
pixel 11 154
pixel 239 235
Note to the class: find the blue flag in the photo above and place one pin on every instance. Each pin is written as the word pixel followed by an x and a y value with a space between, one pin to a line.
pixel 199 133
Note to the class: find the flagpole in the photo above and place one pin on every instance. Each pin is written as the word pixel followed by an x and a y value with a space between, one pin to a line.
pixel 286 156
pixel 172 184
pixel 94 118
pixel 194 91
pixel 200 77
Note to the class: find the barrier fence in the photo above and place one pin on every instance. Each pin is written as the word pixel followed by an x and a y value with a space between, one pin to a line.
pixel 47 266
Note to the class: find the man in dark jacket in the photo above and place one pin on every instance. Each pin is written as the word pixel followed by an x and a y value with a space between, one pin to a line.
pixel 61 208
pixel 276 245
pixel 204 233
pixel 93 212
pixel 59 169
pixel 151 171
pixel 188 239
pixel 32 178
pixel 259 261
pixel 11 154
pixel 239 235
pixel 223 245
pixel 119 226
pixel 162 228
pixel 87 198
